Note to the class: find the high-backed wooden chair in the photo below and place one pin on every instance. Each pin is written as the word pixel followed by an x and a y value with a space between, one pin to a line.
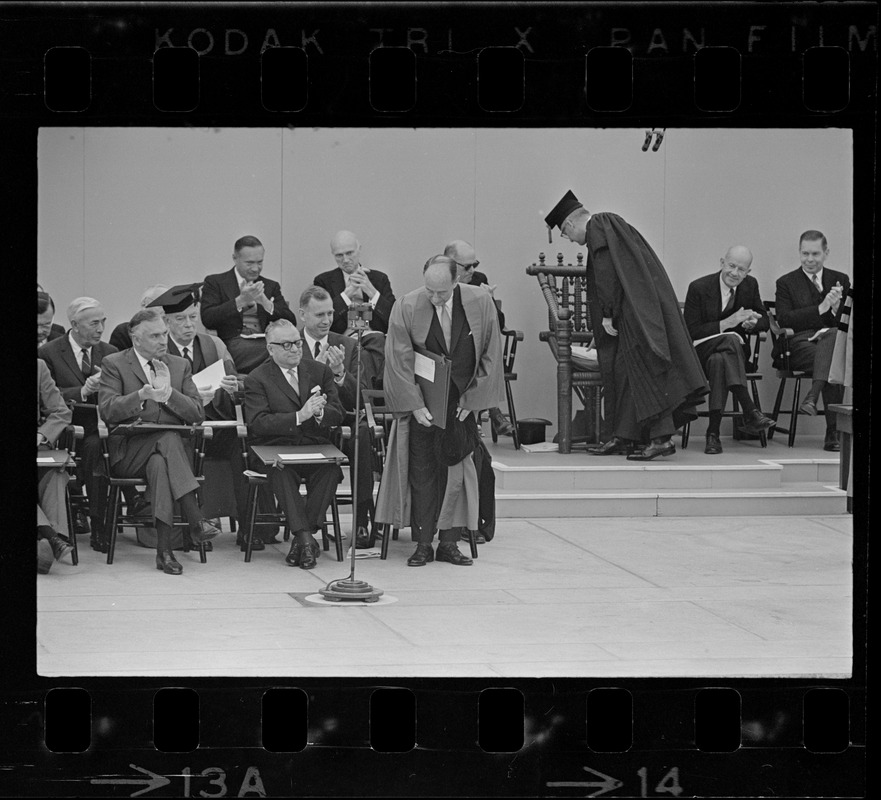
pixel 509 353
pixel 564 288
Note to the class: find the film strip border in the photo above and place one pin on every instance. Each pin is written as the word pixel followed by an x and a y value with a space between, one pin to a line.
pixel 333 740
pixel 490 63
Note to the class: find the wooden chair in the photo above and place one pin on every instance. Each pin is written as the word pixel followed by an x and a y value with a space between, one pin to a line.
pixel 509 353
pixel 67 441
pixel 780 338
pixel 753 376
pixel 116 518
pixel 564 288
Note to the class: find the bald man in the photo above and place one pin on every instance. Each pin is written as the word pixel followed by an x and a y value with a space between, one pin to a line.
pixel 351 283
pixel 721 311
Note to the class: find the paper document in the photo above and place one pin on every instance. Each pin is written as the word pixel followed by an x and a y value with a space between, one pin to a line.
pixel 588 353
pixel 696 342
pixel 43 460
pixel 818 334
pixel 220 423
pixel 252 336
pixel 210 377
pixel 300 457
pixel 424 367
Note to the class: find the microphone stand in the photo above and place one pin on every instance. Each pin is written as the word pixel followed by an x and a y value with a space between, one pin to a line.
pixel 350 588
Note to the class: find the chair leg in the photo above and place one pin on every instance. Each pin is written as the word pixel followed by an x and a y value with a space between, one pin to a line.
pixel 793 420
pixel 492 429
pixel 110 530
pixel 754 389
pixel 395 534
pixel 338 533
pixel 384 532
pixel 686 432
pixel 252 506
pixel 473 542
pixel 75 556
pixel 232 524
pixel 775 415
pixel 512 414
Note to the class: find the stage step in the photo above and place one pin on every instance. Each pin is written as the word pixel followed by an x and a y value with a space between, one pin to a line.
pixel 796 497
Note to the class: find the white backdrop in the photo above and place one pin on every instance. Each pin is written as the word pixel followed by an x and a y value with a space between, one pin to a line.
pixel 123 208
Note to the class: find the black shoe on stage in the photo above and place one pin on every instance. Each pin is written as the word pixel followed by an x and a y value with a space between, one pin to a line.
pixel 166 561
pixel 203 530
pixel 364 540
pixel 654 450
pixel 808 406
pixel 479 538
pixel 713 446
pixel 614 447
pixel 756 423
pixel 421 556
pixel 256 543
pixel 98 544
pixel 81 522
pixel 449 552
pixel 832 444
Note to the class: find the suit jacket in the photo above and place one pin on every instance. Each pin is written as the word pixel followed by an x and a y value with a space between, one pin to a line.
pixel 219 311
pixel 118 402
pixel 65 369
pixel 271 404
pixel 53 415
pixel 347 388
pixel 120 338
pixel 334 281
pixel 703 306
pixel 798 300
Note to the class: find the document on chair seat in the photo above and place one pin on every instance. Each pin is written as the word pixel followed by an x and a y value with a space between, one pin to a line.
pixel 252 336
pixel 210 377
pixel 56 458
pixel 696 342
pixel 300 456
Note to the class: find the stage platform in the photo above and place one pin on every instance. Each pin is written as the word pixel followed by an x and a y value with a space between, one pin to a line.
pixel 746 479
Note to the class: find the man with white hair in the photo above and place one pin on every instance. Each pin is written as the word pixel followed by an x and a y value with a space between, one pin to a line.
pixel 351 283
pixel 74 363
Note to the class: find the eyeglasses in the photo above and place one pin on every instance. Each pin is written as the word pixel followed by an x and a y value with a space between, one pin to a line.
pixel 288 345
pixel 472 265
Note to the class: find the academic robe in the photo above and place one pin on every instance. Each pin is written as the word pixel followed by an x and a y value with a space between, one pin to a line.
pixel 409 325
pixel 627 282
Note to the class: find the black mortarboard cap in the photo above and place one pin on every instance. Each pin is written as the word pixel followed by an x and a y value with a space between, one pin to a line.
pixel 563 209
pixel 177 298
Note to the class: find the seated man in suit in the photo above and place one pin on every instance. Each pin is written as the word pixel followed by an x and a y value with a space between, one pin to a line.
pixel 53 416
pixel 340 353
pixel 238 305
pixel 290 400
pixel 146 383
pixel 716 306
pixel 181 308
pixel 47 330
pixel 74 362
pixel 466 263
pixel 352 283
pixel 809 301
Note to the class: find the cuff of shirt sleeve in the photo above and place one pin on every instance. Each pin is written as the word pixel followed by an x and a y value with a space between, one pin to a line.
pixel 346 299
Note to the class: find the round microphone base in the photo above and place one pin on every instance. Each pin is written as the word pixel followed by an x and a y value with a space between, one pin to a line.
pixel 350 589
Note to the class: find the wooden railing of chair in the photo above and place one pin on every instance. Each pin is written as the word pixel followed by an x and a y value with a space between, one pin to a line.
pixel 568 322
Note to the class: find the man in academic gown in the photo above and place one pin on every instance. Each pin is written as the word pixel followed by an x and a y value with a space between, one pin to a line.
pixel 652 379
pixel 461 323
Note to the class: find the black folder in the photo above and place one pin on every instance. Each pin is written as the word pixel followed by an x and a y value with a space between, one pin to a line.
pixel 436 392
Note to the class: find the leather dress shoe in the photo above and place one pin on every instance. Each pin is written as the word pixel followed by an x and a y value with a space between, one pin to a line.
pixel 501 425
pixel 714 446
pixel 364 540
pixel 654 450
pixel 303 556
pixel 81 522
pixel 98 544
pixel 756 423
pixel 832 445
pixel 614 447
pixel 203 530
pixel 166 561
pixel 140 507
pixel 421 556
pixel 256 543
pixel 479 538
pixel 808 406
pixel 61 549
pixel 449 552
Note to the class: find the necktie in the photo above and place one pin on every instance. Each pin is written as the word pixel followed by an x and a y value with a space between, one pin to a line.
pixel 816 280
pixel 152 368
pixel 187 355
pixel 446 325
pixel 317 349
pixel 729 306
pixel 292 380
pixel 86 364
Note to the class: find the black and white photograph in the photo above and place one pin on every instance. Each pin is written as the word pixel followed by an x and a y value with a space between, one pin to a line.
pixel 603 378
